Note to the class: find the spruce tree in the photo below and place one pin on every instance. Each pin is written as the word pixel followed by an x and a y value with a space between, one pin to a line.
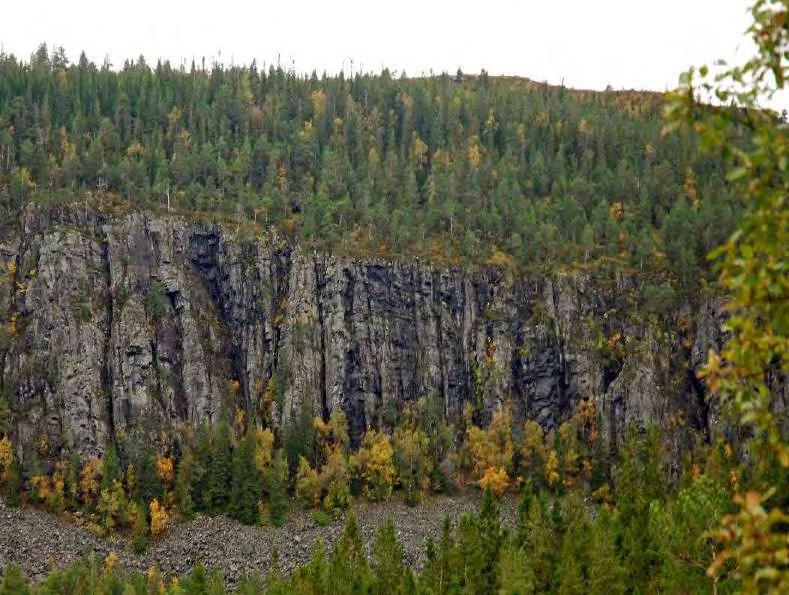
pixel 219 469
pixel 277 483
pixel 245 482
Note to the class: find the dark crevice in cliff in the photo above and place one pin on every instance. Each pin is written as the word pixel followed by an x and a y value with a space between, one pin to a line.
pixel 442 361
pixel 281 266
pixel 180 399
pixel 701 411
pixel 106 367
pixel 611 370
pixel 320 284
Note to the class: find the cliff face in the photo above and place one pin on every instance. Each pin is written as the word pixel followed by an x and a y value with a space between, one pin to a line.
pixel 131 326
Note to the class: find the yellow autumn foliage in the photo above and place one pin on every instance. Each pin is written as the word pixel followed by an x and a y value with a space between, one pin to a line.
pixel 500 259
pixel 374 463
pixel 490 447
pixel 308 485
pixel 110 562
pixel 41 487
pixel 165 470
pixel 57 498
pixel 533 448
pixel 6 457
pixel 89 480
pixel 335 481
pixel 495 480
pixel 552 468
pixel 264 449
pixel 159 518
pixel 332 433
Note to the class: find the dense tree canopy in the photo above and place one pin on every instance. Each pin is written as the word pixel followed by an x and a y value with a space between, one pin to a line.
pixel 451 168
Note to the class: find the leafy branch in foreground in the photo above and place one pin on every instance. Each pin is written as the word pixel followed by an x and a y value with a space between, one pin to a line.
pixel 752 265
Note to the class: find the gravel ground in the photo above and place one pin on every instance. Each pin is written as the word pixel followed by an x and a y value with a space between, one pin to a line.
pixel 40 541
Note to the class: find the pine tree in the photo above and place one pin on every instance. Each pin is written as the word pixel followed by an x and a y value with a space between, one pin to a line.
pixel 388 565
pixel 139 528
pixel 348 567
pixel 438 575
pixel 491 539
pixel 515 572
pixel 606 574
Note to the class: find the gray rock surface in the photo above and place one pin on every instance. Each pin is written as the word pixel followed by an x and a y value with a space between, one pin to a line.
pixel 40 541
pixel 132 325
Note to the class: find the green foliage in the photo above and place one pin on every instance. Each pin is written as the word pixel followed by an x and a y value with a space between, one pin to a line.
pixel 321 518
pixel 157 304
pixel 5 411
pixel 412 459
pixel 245 487
pixel 349 570
pixel 218 469
pixel 148 486
pixel 388 566
pixel 681 534
pixel 14 582
pixel 299 439
pixel 486 170
pixel 752 263
pixel 184 486
pixel 110 468
pixel 277 485
pixel 139 528
pixel 335 476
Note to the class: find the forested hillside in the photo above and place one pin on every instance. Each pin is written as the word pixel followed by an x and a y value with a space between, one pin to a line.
pixel 242 292
pixel 451 168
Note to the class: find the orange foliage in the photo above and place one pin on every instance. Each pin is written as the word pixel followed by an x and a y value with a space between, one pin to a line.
pixel 495 480
pixel 159 518
pixel 164 470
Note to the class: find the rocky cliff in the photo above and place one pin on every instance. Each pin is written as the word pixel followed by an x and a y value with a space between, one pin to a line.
pixel 135 324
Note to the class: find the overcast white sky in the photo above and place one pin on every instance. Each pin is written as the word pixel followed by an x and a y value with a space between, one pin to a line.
pixel 640 44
